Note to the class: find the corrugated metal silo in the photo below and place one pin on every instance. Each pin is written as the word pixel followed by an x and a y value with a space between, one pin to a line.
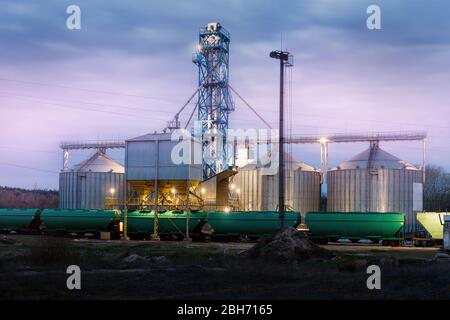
pixel 258 191
pixel 172 165
pixel 376 181
pixel 91 183
pixel 149 157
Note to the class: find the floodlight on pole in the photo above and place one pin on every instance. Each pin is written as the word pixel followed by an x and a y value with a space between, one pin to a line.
pixel 284 58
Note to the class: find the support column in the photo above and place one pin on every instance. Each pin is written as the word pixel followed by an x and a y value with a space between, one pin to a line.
pixel 423 160
pixel 65 159
pixel 324 160
pixel 155 235
pixel 188 211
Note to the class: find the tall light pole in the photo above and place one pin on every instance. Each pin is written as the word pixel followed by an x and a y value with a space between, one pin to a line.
pixel 283 56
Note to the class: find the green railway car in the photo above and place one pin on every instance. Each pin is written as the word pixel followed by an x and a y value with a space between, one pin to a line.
pixel 17 219
pixel 249 223
pixel 140 223
pixel 79 221
pixel 375 226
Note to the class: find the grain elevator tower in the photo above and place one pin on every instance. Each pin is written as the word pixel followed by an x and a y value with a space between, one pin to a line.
pixel 214 99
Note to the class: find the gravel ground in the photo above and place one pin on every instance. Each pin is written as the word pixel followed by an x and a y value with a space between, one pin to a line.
pixel 34 267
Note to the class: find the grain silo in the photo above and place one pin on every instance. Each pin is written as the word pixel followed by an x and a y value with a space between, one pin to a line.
pixel 376 181
pixel 158 167
pixel 96 183
pixel 259 192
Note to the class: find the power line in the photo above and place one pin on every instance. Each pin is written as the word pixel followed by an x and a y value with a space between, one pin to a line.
pixel 89 90
pixel 29 168
pixel 86 102
pixel 33 98
pixel 358 120
pixel 87 109
pixel 180 101
pixel 37 150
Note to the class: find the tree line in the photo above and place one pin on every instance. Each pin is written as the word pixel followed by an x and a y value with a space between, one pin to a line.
pixel 22 198
pixel 436 191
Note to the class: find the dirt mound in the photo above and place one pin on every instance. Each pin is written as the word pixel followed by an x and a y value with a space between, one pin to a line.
pixel 287 245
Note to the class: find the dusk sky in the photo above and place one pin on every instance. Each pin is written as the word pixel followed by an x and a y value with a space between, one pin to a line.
pixel 129 69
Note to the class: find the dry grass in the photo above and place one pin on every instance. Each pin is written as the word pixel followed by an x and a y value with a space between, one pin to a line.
pixel 53 251
pixel 209 271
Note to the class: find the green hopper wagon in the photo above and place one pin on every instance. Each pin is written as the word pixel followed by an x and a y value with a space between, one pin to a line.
pixel 170 223
pixel 17 219
pixel 355 226
pixel 80 221
pixel 251 224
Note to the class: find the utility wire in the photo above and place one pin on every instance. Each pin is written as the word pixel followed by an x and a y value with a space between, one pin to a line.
pixel 359 119
pixel 29 168
pixel 40 151
pixel 87 102
pixel 173 100
pixel 88 109
pixel 180 101
pixel 88 90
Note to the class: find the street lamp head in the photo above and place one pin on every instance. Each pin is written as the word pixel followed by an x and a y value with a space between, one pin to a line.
pixel 280 55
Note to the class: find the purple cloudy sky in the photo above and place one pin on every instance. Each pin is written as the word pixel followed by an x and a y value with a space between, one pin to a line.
pixel 129 69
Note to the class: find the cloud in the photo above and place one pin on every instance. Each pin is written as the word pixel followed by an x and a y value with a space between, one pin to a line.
pixel 346 78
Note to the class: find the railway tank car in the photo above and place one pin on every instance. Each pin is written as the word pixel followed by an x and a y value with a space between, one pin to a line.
pixel 323 227
pixel 248 224
pixel 52 221
pixel 80 221
pixel 18 220
pixel 375 226
pixel 170 223
pixel 201 224
pixel 214 224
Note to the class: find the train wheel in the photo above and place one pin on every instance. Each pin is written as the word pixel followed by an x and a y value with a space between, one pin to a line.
pixel 179 237
pixel 395 243
pixel 199 237
pixel 392 243
pixel 321 241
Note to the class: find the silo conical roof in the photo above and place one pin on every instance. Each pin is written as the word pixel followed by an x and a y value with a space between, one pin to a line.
pixel 289 162
pixel 375 158
pixel 295 164
pixel 99 162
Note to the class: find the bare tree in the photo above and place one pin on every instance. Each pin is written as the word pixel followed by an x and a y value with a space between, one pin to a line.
pixel 21 198
pixel 436 189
